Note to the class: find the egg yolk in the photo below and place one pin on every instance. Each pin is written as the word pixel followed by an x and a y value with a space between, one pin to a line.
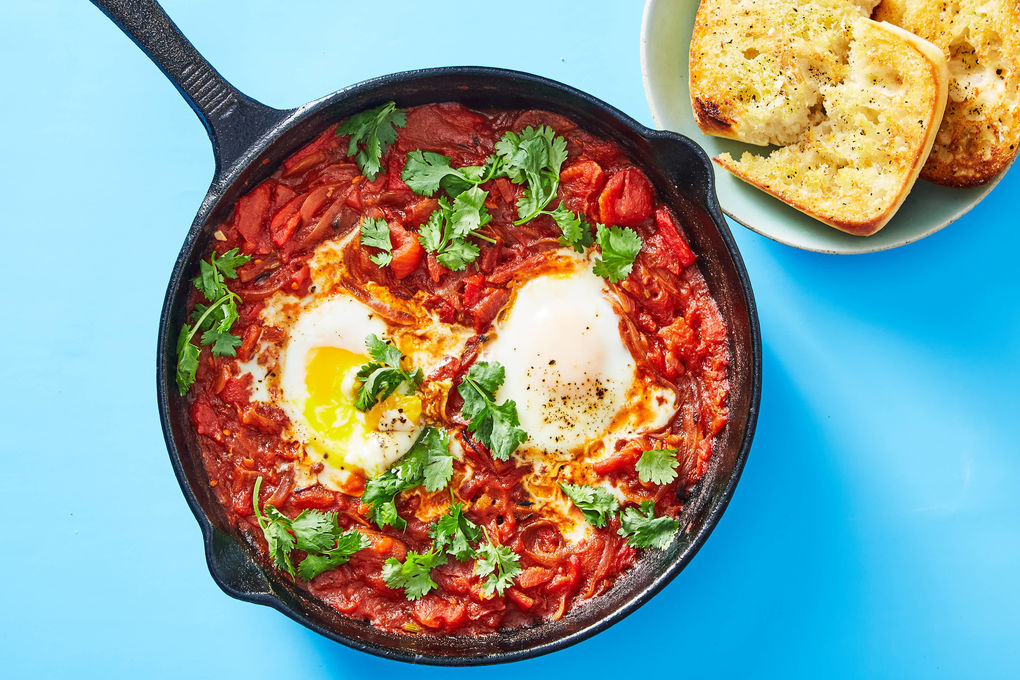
pixel 332 387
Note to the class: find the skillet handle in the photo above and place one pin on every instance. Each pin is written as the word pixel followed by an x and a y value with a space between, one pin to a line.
pixel 233 120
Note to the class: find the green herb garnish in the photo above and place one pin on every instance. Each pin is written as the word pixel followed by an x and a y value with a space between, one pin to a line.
pixel 414 574
pixel 658 466
pixel 498 565
pixel 372 131
pixel 535 157
pixel 426 172
pixel 496 426
pixel 382 376
pixel 620 247
pixel 315 532
pixel 574 229
pixel 644 530
pixel 596 502
pixel 375 233
pixel 214 320
pixel 429 463
pixel 449 226
pixel 454 533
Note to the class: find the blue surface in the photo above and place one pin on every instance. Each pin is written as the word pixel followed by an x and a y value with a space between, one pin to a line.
pixel 876 530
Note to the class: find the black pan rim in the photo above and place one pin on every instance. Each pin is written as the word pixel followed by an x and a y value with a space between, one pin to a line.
pixel 164 370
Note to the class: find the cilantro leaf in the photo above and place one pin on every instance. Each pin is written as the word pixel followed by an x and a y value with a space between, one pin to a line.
pixel 429 463
pixel 596 502
pixel 497 426
pixel 381 378
pixel 457 254
pixel 469 213
pixel 414 574
pixel 187 360
pixel 426 172
pixel 658 466
pixel 438 461
pixel 644 530
pixel 214 320
pixel 498 565
pixel 454 533
pixel 535 157
pixel 375 233
pixel 575 230
pixel 313 531
pixel 489 375
pixel 620 247
pixel 450 225
pixel 229 261
pixel 279 540
pixel 381 493
pixel 347 544
pixel 275 528
pixel 431 233
pixel 373 131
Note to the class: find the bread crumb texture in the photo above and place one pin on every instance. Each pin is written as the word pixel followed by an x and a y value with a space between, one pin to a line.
pixel 853 105
pixel 980 134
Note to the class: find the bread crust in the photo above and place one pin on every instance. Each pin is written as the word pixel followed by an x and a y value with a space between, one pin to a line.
pixel 980 133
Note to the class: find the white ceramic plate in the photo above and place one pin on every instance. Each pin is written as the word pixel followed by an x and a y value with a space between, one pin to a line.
pixel 665 44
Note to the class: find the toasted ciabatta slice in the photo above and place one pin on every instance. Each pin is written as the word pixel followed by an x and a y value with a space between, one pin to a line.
pixel 757 66
pixel 980 133
pixel 853 169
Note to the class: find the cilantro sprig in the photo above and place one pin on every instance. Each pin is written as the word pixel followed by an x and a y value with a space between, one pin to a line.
pixel 450 225
pixel 497 426
pixel 644 530
pixel 382 376
pixel 429 463
pixel 574 229
pixel 375 233
pixel 534 157
pixel 313 531
pixel 597 503
pixel 498 565
pixel 426 172
pixel 454 533
pixel 658 466
pixel 414 574
pixel 215 320
pixel 371 133
pixel 620 247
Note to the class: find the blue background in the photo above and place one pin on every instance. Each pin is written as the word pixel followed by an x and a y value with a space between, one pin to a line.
pixel 875 530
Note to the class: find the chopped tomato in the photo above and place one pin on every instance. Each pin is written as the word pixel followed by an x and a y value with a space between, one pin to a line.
pixel 393 170
pixel 250 216
pixel 473 288
pixel 627 200
pixel 436 270
pixel 669 250
pixel 436 612
pixel 580 183
pixel 248 342
pixel 315 497
pixel 534 576
pixel 407 252
pixel 299 280
pixel 286 220
pixel 520 599
pixel 237 390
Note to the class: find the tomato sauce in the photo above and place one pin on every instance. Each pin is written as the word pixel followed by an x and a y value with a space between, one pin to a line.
pixel 669 322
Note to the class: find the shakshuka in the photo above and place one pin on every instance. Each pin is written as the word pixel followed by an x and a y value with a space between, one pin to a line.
pixel 453 371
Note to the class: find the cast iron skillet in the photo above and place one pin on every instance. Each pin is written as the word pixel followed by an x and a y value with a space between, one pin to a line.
pixel 250 139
